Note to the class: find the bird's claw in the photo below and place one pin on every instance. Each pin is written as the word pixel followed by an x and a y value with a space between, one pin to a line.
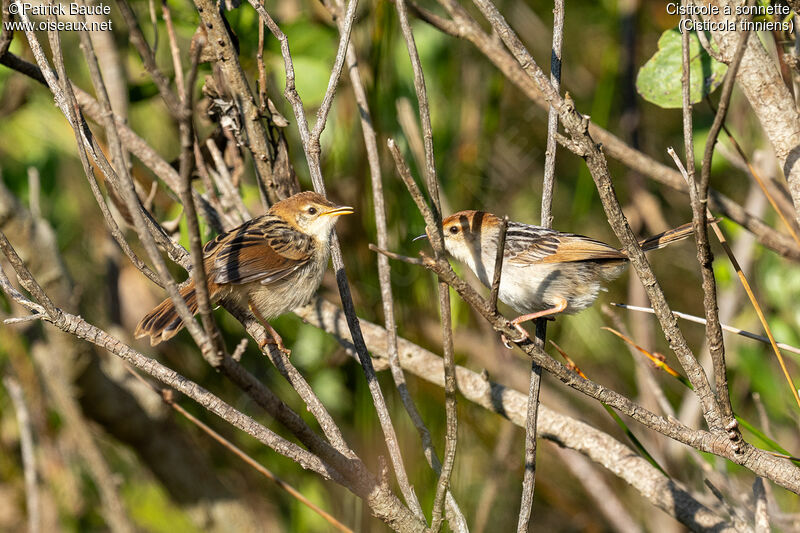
pixel 278 344
pixel 523 336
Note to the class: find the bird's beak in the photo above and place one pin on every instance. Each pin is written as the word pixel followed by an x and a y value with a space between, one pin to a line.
pixel 338 211
pixel 423 236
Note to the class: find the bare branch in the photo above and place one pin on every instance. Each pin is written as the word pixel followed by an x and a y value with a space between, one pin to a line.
pixel 529 477
pixel 498 262
pixel 451 433
pixel 698 320
pixel 661 491
pixel 454 514
pixel 578 128
pixel 28 453
pixel 199 276
pixel 465 27
pixel 714 338
pixel 221 47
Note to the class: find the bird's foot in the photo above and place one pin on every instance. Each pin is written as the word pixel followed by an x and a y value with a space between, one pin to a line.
pixel 547 313
pixel 275 340
pixel 523 335
pixel 274 337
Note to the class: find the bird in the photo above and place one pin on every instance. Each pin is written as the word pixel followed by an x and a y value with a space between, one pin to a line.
pixel 272 263
pixel 545 272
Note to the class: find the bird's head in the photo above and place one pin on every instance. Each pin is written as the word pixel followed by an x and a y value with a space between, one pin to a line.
pixel 466 233
pixel 310 213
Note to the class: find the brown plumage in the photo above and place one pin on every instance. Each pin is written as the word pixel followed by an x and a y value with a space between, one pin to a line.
pixel 544 271
pixel 273 263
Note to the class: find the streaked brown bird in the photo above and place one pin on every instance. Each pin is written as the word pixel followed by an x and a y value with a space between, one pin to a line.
pixel 272 263
pixel 545 272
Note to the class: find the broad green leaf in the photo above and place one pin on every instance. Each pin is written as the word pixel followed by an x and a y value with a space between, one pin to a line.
pixel 659 80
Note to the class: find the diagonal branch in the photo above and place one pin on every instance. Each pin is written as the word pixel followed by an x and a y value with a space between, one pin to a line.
pixel 311 148
pixel 437 239
pixel 699 198
pixel 578 128
pixel 463 26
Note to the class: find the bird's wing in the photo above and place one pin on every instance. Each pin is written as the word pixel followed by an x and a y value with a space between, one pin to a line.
pixel 266 249
pixel 532 244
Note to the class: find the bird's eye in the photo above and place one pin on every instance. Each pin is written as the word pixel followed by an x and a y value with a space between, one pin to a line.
pixel 453 229
pixel 312 210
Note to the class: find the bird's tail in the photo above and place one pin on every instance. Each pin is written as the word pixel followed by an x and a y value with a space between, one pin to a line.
pixel 668 237
pixel 163 322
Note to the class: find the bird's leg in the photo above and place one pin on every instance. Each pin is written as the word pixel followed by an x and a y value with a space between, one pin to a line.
pixel 558 308
pixel 275 337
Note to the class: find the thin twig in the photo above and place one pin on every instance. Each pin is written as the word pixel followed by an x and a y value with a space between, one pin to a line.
pixel 603 495
pixel 186 160
pixel 746 285
pixel 577 126
pixel 454 514
pixel 501 457
pixel 761 512
pixel 222 177
pixel 22 319
pixel 28 453
pixel 548 185
pixel 552 117
pixel 34 192
pixel 451 412
pixel 398 257
pixel 149 60
pixel 649 380
pixel 169 398
pixel 498 262
pixel 731 329
pixel 790 226
pixel 716 345
pixel 175 51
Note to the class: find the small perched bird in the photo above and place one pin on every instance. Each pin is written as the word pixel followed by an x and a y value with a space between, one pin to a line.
pixel 273 263
pixel 545 272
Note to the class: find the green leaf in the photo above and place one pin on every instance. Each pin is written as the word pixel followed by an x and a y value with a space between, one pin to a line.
pixel 659 80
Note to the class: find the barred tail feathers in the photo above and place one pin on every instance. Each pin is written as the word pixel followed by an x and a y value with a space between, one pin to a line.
pixel 163 322
pixel 668 237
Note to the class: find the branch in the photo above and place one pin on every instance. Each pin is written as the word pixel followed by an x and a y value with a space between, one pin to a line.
pixel 311 148
pixel 28 453
pixel 222 48
pixel 199 276
pixel 577 126
pixel 529 477
pixel 659 490
pixel 714 338
pixel 454 515
pixel 465 27
pixel 451 412
pixel 760 462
